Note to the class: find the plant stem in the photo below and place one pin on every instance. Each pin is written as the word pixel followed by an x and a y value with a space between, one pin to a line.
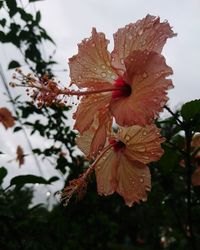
pixel 191 238
pixel 179 122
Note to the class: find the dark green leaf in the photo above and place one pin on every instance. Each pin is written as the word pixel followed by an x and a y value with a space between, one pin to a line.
pixel 12 6
pixel 30 1
pixel 3 22
pixel 38 17
pixel 31 179
pixel 13 64
pixel 17 129
pixel 190 110
pixel 3 173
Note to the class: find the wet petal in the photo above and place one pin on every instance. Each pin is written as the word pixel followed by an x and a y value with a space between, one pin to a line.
pixel 89 106
pixel 133 180
pixel 148 33
pixel 146 74
pixel 6 118
pixel 142 143
pixel 106 173
pixel 93 140
pixel 91 66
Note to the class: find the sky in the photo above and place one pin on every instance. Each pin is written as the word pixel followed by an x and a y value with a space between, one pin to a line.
pixel 69 22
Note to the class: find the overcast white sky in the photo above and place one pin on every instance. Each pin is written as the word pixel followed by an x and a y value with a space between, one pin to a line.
pixel 68 22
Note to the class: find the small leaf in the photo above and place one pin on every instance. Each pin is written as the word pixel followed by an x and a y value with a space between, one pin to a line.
pixel 31 179
pixel 191 114
pixel 13 64
pixel 12 6
pixel 30 1
pixel 190 110
pixel 17 129
pixel 3 173
pixel 38 16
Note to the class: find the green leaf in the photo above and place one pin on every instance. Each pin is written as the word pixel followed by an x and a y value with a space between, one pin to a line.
pixel 12 6
pixel 191 114
pixel 1 4
pixel 190 110
pixel 17 129
pixel 13 64
pixel 38 16
pixel 3 173
pixel 30 1
pixel 3 22
pixel 31 179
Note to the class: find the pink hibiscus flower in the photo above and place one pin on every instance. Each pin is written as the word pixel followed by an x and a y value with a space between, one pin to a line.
pixel 121 166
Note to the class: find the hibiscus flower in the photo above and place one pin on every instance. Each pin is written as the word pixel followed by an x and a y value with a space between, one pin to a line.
pixel 129 83
pixel 6 118
pixel 121 165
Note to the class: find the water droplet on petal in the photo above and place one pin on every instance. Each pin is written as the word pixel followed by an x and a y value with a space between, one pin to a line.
pixel 141 180
pixel 144 133
pixel 144 75
pixel 127 137
pixel 122 61
pixel 140 32
pixel 103 74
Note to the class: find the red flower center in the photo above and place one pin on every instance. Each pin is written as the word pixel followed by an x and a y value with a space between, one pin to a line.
pixel 124 89
pixel 117 145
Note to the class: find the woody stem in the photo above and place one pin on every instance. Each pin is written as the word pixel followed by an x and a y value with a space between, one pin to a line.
pixel 191 238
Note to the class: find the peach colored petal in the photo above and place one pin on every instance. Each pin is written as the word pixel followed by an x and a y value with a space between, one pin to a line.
pixel 196 177
pixel 91 67
pixel 148 33
pixel 196 140
pixel 106 173
pixel 87 109
pixel 6 118
pixel 133 180
pixel 142 143
pixel 20 155
pixel 146 74
pixel 93 140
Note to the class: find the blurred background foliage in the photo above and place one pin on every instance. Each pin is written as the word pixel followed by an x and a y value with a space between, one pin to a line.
pixel 170 219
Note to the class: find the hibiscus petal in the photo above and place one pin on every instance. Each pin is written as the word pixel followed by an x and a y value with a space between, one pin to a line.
pixel 142 143
pixel 106 173
pixel 6 118
pixel 148 33
pixel 89 106
pixel 133 180
pixel 146 73
pixel 91 67
pixel 93 140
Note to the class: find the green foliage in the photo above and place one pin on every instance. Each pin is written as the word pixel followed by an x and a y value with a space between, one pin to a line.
pixel 191 114
pixel 21 180
pixel 3 173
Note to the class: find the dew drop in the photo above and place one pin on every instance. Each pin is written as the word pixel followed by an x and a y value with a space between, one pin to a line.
pixel 127 137
pixel 103 74
pixel 144 133
pixel 144 75
pixel 141 180
pixel 140 32
pixel 122 61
